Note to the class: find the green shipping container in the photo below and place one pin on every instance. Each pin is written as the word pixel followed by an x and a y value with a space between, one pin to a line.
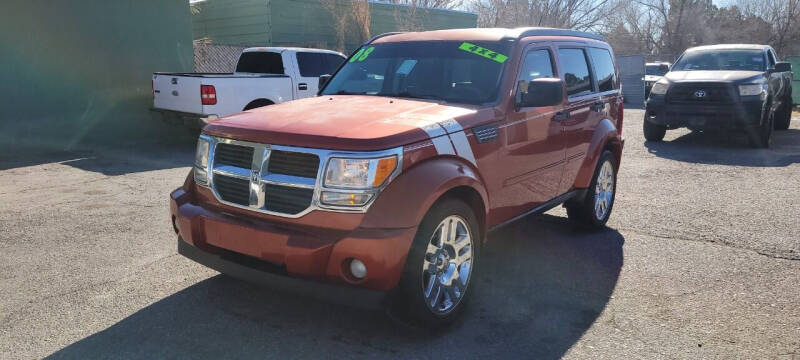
pixel 795 60
pixel 308 23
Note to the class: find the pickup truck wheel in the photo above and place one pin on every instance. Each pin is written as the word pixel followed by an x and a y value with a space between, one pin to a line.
pixel 654 132
pixel 257 104
pixel 593 210
pixel 760 137
pixel 784 117
pixel 434 287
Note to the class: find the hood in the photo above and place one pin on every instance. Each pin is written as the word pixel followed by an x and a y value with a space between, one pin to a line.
pixel 713 75
pixel 340 122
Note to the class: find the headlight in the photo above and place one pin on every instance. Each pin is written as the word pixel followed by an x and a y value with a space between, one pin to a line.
pixel 660 87
pixel 201 161
pixel 359 173
pixel 751 89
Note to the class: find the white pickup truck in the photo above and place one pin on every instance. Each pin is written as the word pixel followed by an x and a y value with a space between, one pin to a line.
pixel 263 76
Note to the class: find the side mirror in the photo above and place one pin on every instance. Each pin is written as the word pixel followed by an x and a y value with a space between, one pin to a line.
pixel 323 79
pixel 540 92
pixel 782 67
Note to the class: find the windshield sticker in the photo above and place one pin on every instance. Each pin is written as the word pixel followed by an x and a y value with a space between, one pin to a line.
pixel 362 54
pixel 477 50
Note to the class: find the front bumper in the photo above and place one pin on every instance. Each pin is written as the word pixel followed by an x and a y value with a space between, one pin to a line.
pixel 316 248
pixel 697 116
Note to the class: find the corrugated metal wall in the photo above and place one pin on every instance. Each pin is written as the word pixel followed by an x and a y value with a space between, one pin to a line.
pixel 795 60
pixel 78 72
pixel 631 71
pixel 306 22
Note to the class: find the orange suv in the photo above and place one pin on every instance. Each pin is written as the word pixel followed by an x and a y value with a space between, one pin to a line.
pixel 382 188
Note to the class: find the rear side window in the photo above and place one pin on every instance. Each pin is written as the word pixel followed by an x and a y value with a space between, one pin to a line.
pixel 576 72
pixel 603 69
pixel 260 62
pixel 310 64
pixel 331 62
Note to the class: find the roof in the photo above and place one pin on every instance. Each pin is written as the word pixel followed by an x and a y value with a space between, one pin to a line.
pixel 482 34
pixel 730 47
pixel 281 49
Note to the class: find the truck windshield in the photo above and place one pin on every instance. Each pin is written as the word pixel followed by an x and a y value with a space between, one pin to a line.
pixel 721 60
pixel 656 69
pixel 450 71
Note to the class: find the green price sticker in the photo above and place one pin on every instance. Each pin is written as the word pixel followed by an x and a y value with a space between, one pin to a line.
pixel 362 54
pixel 481 51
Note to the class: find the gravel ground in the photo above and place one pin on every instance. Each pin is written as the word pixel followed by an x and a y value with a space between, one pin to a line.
pixel 701 260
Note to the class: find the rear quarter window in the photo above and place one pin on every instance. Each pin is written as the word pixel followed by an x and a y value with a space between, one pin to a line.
pixel 576 71
pixel 604 69
pixel 260 63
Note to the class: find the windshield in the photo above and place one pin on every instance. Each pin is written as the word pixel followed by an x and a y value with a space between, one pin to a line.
pixel 721 60
pixel 458 72
pixel 657 70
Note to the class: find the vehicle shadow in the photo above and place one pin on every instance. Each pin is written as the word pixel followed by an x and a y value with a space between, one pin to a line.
pixel 727 149
pixel 542 285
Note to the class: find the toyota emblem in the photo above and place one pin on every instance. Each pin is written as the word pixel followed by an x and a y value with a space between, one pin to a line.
pixel 700 94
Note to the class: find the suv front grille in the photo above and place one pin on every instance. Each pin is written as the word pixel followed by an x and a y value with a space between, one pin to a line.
pixel 293 163
pixel 233 155
pixel 713 93
pixel 287 199
pixel 233 189
pixel 234 176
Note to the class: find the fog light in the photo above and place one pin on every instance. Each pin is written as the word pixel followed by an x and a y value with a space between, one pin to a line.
pixel 344 199
pixel 358 269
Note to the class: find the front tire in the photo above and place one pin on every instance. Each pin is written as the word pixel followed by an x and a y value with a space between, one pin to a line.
pixel 593 209
pixel 654 132
pixel 784 117
pixel 440 265
pixel 761 136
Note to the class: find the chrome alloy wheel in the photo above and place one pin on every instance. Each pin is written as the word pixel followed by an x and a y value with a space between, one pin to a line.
pixel 604 190
pixel 448 264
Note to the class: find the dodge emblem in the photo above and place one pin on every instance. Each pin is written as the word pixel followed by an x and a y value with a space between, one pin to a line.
pixel 254 176
pixel 700 94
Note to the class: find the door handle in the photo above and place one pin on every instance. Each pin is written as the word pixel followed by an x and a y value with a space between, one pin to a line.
pixel 302 86
pixel 598 106
pixel 561 115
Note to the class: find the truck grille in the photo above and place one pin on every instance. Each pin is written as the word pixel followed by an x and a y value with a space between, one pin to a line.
pixel 233 155
pixel 714 93
pixel 233 189
pixel 234 176
pixel 293 163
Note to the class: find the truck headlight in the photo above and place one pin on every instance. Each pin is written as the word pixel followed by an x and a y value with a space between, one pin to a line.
pixel 359 173
pixel 201 161
pixel 751 89
pixel 660 87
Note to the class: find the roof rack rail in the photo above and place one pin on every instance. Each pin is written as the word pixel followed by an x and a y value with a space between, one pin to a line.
pixel 376 37
pixel 543 31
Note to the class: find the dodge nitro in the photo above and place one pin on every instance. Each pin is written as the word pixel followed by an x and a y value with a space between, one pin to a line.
pixel 382 188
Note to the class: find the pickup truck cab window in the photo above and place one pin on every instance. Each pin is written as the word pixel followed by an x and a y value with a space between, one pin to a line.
pixel 576 72
pixel 260 63
pixel 440 71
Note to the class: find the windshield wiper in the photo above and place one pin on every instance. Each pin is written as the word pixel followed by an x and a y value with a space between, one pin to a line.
pixel 406 94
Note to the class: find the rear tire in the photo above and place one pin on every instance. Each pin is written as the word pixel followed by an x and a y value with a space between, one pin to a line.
pixel 432 290
pixel 761 136
pixel 654 132
pixel 257 104
pixel 593 209
pixel 784 117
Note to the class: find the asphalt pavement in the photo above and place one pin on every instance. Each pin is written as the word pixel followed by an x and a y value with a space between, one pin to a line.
pixel 701 259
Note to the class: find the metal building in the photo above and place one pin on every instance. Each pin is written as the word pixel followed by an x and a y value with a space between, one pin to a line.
pixel 306 22
pixel 631 71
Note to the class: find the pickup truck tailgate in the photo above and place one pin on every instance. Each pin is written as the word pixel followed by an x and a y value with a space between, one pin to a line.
pixel 177 93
